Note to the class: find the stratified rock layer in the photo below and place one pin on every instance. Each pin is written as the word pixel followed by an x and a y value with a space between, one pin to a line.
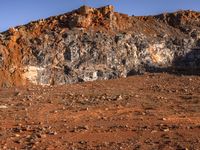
pixel 90 44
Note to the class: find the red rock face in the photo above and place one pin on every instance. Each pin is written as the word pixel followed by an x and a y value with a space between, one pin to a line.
pixel 86 17
pixel 94 43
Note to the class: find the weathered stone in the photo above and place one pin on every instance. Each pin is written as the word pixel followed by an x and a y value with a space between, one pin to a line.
pixel 97 44
pixel 107 9
pixel 1 59
pixel 80 21
pixel 84 10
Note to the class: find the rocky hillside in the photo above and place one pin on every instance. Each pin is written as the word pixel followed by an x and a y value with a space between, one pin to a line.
pixel 93 44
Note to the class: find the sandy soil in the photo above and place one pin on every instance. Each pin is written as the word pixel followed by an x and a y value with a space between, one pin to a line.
pixel 152 111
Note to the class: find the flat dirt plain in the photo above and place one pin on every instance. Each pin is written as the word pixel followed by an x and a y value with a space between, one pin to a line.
pixel 151 111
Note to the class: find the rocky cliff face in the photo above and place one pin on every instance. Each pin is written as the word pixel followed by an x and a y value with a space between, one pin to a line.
pixel 94 44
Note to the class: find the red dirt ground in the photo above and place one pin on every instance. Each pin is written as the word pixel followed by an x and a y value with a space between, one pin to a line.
pixel 151 111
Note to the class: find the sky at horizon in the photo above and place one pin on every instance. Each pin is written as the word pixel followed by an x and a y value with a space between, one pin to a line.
pixel 19 12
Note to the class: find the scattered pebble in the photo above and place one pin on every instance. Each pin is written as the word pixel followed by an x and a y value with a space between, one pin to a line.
pixel 3 107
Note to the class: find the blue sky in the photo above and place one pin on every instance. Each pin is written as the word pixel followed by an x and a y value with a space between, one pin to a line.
pixel 18 12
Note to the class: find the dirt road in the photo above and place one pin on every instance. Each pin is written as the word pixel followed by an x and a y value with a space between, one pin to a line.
pixel 151 111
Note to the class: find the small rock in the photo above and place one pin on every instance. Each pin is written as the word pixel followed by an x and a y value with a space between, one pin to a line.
pixel 166 130
pixel 17 135
pixel 3 107
pixel 136 96
pixel 52 133
pixel 154 131
pixel 119 97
